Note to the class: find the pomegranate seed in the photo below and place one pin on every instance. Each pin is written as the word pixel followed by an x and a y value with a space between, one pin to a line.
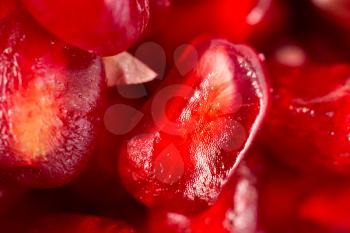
pixel 104 27
pixel 49 96
pixel 196 128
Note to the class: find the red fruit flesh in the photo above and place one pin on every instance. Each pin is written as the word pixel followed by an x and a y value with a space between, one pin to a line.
pixel 6 7
pixel 104 27
pixel 310 116
pixel 196 128
pixel 49 95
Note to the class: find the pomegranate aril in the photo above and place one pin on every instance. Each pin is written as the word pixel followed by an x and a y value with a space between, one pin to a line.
pixel 310 116
pixel 104 27
pixel 196 128
pixel 49 96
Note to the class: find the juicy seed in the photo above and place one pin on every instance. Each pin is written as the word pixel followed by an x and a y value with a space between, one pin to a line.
pixel 196 128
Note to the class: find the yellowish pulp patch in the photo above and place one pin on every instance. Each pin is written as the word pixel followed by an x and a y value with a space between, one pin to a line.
pixel 34 121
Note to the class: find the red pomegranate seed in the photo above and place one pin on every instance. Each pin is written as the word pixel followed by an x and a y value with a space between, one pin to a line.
pixel 196 128
pixel 310 116
pixel 49 96
pixel 104 27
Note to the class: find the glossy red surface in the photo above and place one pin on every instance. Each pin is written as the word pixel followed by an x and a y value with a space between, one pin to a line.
pixel 196 128
pixel 104 27
pixel 49 95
